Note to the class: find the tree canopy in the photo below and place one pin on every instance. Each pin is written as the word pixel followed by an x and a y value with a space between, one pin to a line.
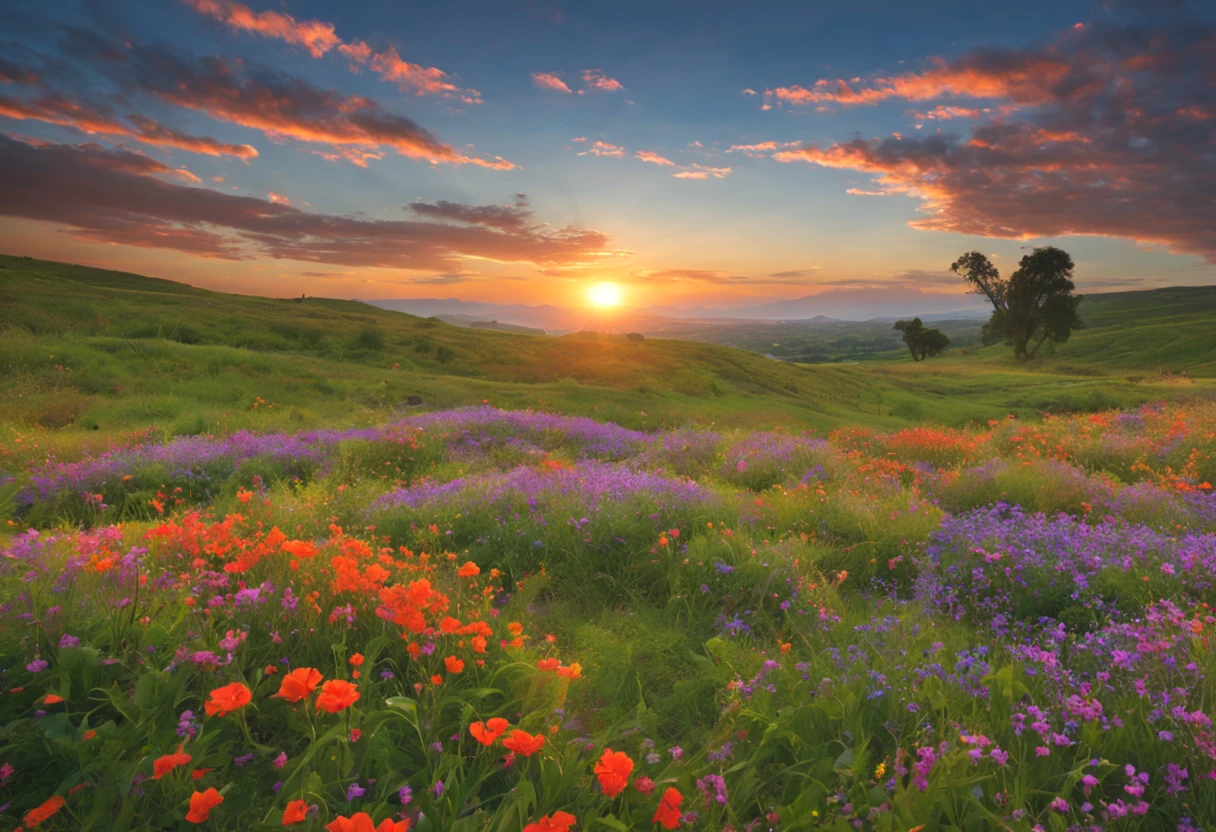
pixel 922 342
pixel 1033 305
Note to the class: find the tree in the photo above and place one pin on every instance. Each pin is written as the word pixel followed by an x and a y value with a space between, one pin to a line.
pixel 1035 304
pixel 922 342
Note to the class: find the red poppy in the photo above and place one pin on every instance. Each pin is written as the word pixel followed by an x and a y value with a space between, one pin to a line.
pixel 469 570
pixel 668 813
pixel 227 699
pixel 49 807
pixel 453 664
pixel 362 822
pixel 296 812
pixel 299 683
pixel 557 822
pixel 337 695
pixel 165 764
pixel 488 732
pixel 356 660
pixel 613 770
pixel 548 665
pixel 523 743
pixel 201 804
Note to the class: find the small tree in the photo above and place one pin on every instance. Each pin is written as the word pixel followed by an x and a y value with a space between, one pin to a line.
pixel 922 342
pixel 1035 304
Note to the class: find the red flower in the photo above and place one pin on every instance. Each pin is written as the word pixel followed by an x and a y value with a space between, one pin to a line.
pixel 523 743
pixel 296 812
pixel 668 813
pixel 644 784
pixel 362 822
pixel 163 765
pixel 548 665
pixel 453 664
pixel 613 770
pixel 337 695
pixel 356 660
pixel 49 807
pixel 488 732
pixel 201 804
pixel 469 570
pixel 299 683
pixel 227 699
pixel 557 822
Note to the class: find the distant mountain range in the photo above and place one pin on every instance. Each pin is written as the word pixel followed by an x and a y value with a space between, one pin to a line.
pixel 833 305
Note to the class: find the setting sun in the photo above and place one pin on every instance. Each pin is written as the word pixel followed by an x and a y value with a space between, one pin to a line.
pixel 604 295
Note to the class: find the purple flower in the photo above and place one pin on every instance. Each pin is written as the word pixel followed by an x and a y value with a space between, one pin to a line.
pixel 66 641
pixel 354 791
pixel 37 666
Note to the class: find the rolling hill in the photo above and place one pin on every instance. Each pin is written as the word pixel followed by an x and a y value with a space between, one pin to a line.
pixel 86 349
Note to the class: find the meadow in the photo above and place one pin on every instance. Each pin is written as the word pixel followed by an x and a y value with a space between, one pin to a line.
pixel 395 575
pixel 509 620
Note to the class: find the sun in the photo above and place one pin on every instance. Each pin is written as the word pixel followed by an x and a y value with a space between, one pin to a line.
pixel 604 295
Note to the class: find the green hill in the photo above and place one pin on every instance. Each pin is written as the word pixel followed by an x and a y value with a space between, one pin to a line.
pixel 92 349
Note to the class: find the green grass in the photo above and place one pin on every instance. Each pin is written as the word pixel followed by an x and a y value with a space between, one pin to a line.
pixel 86 350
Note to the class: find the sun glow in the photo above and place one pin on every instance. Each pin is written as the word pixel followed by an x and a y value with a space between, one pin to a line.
pixel 604 295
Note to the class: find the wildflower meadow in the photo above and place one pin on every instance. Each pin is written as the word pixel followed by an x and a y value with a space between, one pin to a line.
pixel 517 621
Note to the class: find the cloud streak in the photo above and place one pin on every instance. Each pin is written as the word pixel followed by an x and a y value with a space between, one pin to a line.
pixel 117 196
pixel 1105 132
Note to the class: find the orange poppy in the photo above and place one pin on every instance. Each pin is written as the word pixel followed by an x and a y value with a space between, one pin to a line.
pixel 52 699
pixel 337 695
pixel 200 773
pixel 165 764
pixel 488 732
pixel 356 659
pixel 515 628
pixel 668 813
pixel 270 670
pixel 436 679
pixel 548 665
pixel 523 743
pixel 299 683
pixel 557 822
pixel 613 770
pixel 296 812
pixel 227 699
pixel 362 822
pixel 49 807
pixel 571 671
pixel 453 664
pixel 201 804
pixel 469 570
pixel 88 735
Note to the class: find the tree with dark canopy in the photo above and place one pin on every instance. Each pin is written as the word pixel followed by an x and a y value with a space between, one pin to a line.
pixel 922 342
pixel 1035 304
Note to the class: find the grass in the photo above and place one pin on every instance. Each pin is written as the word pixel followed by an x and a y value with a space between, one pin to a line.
pixel 86 350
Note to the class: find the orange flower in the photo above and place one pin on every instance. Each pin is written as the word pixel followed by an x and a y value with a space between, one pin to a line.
pixel 613 770
pixel 548 665
pixel 523 743
pixel 38 814
pixel 299 683
pixel 668 813
pixel 488 732
pixel 296 812
pixel 165 764
pixel 201 804
pixel 469 570
pixel 337 695
pixel 227 699
pixel 270 670
pixel 515 628
pixel 557 822
pixel 453 664
pixel 571 672
pixel 356 660
pixel 88 735
pixel 362 822
pixel 200 773
pixel 436 679
pixel 52 699
pixel 478 644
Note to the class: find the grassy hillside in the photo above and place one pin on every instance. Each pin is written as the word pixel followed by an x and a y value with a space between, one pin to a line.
pixel 96 350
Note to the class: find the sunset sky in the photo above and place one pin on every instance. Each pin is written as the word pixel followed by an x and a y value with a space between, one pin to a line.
pixel 695 153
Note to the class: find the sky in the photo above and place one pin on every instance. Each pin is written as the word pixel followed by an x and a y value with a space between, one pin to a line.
pixel 695 154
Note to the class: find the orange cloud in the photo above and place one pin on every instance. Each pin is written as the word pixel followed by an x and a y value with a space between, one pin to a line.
pixel 550 81
pixel 702 172
pixel 117 196
pixel 604 149
pixel 315 36
pixel 653 158
pixel 418 79
pixel 595 79
pixel 54 109
pixel 278 199
pixel 283 106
